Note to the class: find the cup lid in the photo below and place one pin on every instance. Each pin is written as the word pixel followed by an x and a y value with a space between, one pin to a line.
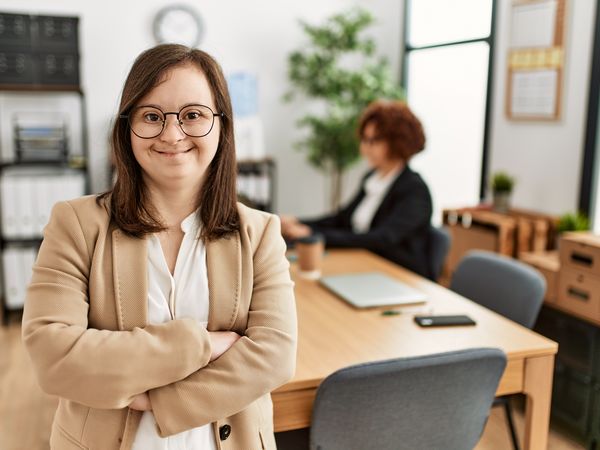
pixel 311 239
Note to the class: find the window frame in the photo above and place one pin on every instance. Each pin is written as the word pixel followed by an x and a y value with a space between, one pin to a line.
pixel 590 161
pixel 490 40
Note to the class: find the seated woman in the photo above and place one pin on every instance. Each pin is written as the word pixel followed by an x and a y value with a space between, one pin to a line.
pixel 390 214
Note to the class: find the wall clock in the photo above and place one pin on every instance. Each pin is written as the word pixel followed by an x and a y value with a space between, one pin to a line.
pixel 179 24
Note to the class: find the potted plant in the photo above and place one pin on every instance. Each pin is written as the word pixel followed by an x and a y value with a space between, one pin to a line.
pixel 502 186
pixel 321 72
pixel 573 222
pixel 569 222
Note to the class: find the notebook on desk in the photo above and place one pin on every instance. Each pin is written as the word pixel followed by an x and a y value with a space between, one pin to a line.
pixel 370 289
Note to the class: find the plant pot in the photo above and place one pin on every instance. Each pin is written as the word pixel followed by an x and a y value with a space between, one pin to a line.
pixel 501 201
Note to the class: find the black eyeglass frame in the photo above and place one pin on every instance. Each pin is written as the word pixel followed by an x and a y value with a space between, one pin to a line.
pixel 176 114
pixel 372 140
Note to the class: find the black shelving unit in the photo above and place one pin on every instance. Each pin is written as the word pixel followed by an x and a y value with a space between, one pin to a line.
pixel 39 54
pixel 67 164
pixel 256 183
pixel 576 386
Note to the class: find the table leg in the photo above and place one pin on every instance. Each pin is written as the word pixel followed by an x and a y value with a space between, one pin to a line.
pixel 538 390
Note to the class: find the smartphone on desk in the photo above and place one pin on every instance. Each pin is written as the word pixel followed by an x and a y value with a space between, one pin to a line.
pixel 443 321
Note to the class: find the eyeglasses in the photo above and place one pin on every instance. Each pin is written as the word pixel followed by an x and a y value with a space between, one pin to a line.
pixel 148 122
pixel 371 140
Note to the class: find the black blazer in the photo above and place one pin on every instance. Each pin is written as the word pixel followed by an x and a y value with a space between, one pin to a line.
pixel 399 229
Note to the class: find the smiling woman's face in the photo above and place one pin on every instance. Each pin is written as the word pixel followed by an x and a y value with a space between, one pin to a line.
pixel 174 159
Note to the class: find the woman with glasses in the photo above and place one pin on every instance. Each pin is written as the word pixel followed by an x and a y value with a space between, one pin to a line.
pixel 390 214
pixel 161 313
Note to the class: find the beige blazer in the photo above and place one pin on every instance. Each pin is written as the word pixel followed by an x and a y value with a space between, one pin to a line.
pixel 85 327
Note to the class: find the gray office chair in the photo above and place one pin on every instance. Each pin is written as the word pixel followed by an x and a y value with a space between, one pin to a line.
pixel 506 286
pixel 439 245
pixel 434 402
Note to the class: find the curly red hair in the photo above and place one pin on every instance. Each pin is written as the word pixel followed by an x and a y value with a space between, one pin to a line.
pixel 396 124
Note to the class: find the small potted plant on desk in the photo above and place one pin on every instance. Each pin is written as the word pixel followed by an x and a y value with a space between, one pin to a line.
pixel 502 186
pixel 571 222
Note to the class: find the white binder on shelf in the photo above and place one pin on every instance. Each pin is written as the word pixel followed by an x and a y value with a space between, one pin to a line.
pixel 251 186
pixel 43 202
pixel 75 186
pixel 242 184
pixel 26 198
pixel 263 188
pixel 28 257
pixel 54 191
pixel 10 207
pixel 14 293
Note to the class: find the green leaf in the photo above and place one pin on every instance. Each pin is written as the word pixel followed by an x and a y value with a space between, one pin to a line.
pixel 315 71
pixel 502 182
pixel 573 222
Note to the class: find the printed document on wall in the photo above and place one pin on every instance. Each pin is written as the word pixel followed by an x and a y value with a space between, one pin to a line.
pixel 534 93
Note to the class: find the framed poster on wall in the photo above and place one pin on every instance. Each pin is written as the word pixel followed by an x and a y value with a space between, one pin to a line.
pixel 536 59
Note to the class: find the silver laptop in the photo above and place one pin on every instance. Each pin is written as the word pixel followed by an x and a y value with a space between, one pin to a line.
pixel 369 289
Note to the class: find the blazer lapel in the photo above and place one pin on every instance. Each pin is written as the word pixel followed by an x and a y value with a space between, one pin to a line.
pixel 224 266
pixel 130 257
pixel 386 203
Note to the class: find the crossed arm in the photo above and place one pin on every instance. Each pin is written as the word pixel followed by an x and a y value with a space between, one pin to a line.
pixel 220 341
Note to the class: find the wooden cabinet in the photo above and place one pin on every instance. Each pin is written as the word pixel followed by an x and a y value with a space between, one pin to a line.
pixel 548 264
pixel 579 293
pixel 581 251
pixel 579 279
pixel 510 233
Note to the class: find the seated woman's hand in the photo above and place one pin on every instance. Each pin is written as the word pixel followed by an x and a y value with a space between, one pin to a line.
pixel 221 341
pixel 287 223
pixel 298 231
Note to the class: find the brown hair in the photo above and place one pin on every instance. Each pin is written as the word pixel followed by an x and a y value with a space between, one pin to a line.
pixel 396 124
pixel 129 204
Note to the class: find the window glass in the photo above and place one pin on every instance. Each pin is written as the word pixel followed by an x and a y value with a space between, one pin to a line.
pixel 438 21
pixel 447 89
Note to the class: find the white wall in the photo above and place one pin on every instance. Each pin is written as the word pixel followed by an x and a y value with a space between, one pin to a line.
pixel 257 37
pixel 545 157
pixel 252 36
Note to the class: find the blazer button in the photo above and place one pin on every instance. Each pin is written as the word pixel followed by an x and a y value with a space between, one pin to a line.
pixel 224 432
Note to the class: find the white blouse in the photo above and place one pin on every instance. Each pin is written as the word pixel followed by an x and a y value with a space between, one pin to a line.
pixel 376 187
pixel 182 295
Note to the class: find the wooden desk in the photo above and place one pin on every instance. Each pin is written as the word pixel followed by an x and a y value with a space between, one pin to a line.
pixel 333 335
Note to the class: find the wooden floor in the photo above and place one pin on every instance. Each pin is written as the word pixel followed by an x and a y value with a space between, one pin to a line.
pixel 26 412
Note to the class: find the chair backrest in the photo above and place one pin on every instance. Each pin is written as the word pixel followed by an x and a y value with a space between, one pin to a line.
pixel 433 402
pixel 504 285
pixel 439 245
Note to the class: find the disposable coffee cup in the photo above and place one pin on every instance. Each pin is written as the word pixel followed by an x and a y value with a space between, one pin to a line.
pixel 309 251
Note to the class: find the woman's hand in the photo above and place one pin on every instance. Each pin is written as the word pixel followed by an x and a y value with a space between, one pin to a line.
pixel 287 223
pixel 141 402
pixel 221 341
pixel 298 231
